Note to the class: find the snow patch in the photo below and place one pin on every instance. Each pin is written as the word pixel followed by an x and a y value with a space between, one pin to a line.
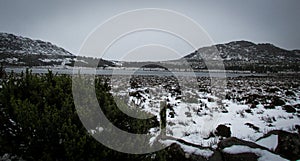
pixel 262 154
pixel 269 142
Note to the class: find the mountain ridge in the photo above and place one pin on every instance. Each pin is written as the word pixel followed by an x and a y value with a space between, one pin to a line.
pixel 243 47
pixel 235 55
pixel 23 45
pixel 22 51
pixel 245 55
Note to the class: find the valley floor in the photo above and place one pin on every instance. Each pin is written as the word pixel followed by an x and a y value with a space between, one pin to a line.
pixel 199 111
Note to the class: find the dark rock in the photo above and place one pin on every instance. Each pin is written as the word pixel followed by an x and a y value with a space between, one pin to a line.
pixel 252 126
pixel 288 145
pixel 289 93
pixel 298 128
pixel 223 130
pixel 188 114
pixel 253 106
pixel 228 97
pixel 240 157
pixel 271 106
pixel 136 94
pixel 277 101
pixel 248 110
pixel 235 141
pixel 255 102
pixel 147 90
pixel 134 84
pixel 273 90
pixel 172 114
pixel 210 99
pixel 224 111
pixel 178 98
pixel 217 156
pixel 297 106
pixel 289 108
pixel 252 98
pixel 175 152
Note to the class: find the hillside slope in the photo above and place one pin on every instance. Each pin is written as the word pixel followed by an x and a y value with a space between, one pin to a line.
pixel 244 55
pixel 22 51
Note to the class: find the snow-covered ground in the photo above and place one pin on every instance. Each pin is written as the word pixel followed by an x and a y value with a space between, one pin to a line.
pixel 251 107
pixel 270 142
pixel 264 155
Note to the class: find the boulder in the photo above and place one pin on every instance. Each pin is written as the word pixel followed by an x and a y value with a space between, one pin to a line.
pixel 289 93
pixel 298 128
pixel 248 156
pixel 223 131
pixel 297 106
pixel 277 101
pixel 240 157
pixel 175 152
pixel 289 109
pixel 288 145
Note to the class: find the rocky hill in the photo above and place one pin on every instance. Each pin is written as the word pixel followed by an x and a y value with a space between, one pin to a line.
pixel 244 55
pixel 22 51
pixel 13 44
pixel 236 55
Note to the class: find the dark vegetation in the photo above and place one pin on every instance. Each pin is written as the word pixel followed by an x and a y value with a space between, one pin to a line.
pixel 223 130
pixel 39 121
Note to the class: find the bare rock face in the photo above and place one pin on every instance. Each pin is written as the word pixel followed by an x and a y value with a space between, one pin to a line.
pixel 13 44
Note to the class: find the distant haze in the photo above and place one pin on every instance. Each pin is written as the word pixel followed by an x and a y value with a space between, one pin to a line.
pixel 68 23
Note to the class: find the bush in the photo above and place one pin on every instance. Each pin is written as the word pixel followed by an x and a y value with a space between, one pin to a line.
pixel 277 101
pixel 223 131
pixel 289 109
pixel 289 93
pixel 2 71
pixel 39 120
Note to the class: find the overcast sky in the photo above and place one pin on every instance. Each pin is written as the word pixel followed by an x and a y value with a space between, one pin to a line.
pixel 67 23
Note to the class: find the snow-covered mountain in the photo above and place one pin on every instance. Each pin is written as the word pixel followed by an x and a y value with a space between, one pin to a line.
pixel 22 51
pixel 246 51
pixel 246 55
pixel 13 44
pixel 236 55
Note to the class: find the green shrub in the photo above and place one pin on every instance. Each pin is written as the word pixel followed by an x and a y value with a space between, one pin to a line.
pixel 39 120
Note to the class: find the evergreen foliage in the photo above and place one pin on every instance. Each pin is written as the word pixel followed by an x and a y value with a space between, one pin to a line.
pixel 39 120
